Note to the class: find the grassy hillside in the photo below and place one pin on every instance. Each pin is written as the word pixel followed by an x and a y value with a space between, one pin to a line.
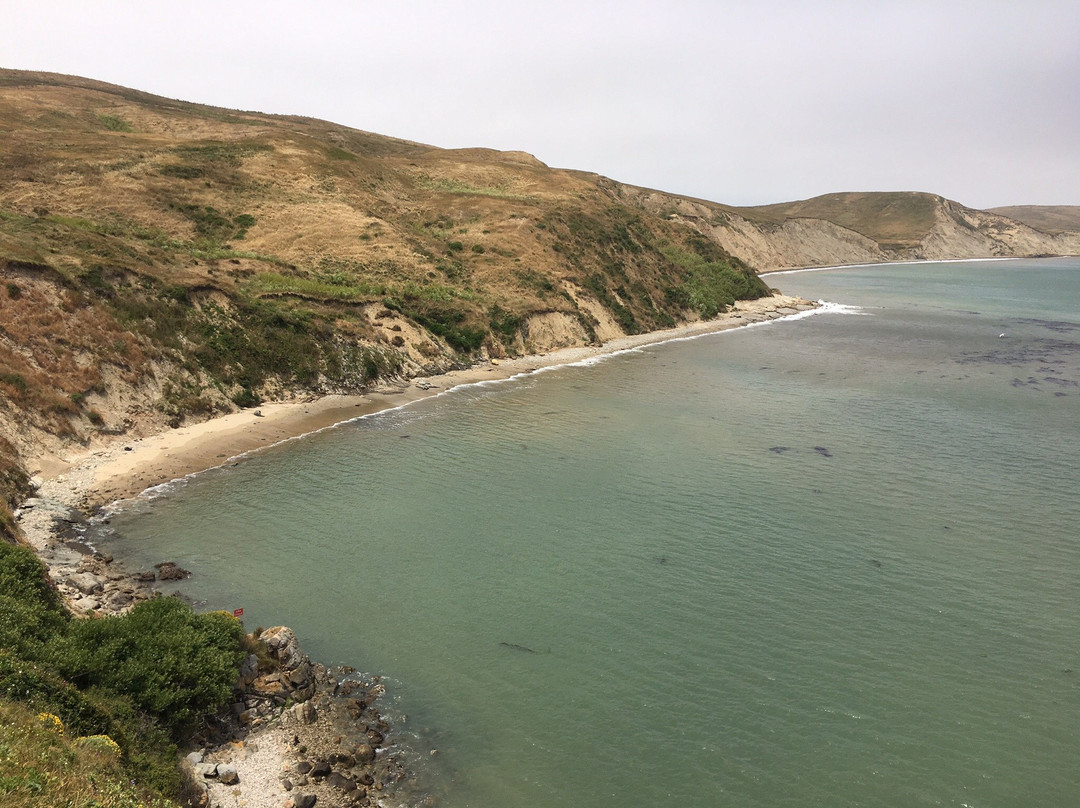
pixel 895 220
pixel 1048 218
pixel 237 254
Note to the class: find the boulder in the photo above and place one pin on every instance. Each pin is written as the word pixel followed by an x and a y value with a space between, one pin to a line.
pixel 305 800
pixel 365 753
pixel 86 604
pixel 118 600
pixel 283 646
pixel 85 582
pixel 304 713
pixel 226 773
pixel 249 667
pixel 304 693
pixel 301 675
pixel 321 768
pixel 269 686
pixel 339 780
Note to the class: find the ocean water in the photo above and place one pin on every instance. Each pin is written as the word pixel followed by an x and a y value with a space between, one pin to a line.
pixel 827 561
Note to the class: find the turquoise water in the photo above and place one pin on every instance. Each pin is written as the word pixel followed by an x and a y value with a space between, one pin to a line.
pixel 828 561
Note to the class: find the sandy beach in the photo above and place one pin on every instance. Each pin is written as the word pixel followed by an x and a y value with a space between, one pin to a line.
pixel 126 467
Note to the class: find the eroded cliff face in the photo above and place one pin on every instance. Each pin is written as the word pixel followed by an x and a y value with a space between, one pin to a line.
pixel 787 240
pixel 961 232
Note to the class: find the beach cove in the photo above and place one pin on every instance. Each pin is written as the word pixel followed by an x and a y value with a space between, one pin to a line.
pixel 54 522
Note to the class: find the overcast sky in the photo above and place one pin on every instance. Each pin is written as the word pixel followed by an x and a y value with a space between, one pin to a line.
pixel 745 102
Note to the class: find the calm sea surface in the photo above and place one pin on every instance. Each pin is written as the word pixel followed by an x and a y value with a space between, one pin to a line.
pixel 832 561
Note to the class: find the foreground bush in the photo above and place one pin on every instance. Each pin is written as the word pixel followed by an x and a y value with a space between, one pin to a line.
pixel 141 679
pixel 170 661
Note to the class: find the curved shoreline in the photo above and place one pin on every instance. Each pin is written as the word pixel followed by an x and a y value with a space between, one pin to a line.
pixel 125 467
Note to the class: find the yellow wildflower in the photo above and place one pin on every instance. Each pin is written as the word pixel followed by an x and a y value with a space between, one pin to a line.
pixel 52 722
pixel 100 743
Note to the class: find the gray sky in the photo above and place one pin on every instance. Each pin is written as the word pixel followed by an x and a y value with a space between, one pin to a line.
pixel 739 102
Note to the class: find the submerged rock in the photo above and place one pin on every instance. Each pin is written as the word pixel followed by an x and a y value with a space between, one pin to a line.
pixel 170 571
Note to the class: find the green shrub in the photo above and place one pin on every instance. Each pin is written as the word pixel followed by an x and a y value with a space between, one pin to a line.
pixel 504 324
pixel 181 172
pixel 15 380
pixel 40 688
pixel 114 123
pixel 40 766
pixel 13 291
pixel 23 578
pixel 168 660
pixel 246 398
pixel 713 282
pixel 31 613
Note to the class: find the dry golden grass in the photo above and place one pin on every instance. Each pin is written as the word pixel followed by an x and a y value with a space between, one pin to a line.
pixel 242 252
pixel 895 220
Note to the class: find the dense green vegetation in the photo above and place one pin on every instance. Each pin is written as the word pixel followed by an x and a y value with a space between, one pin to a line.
pixel 142 679
pixel 712 284
pixel 13 487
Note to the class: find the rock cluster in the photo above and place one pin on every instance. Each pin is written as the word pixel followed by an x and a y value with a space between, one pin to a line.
pixel 330 740
pixel 90 581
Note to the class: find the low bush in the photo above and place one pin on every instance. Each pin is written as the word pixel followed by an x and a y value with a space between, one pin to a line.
pixel 42 764
pixel 171 662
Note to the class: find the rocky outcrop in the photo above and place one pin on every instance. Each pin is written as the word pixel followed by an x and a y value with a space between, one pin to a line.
pixel 298 734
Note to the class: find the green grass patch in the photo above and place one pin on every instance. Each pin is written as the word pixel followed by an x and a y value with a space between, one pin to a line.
pixel 181 172
pixel 336 153
pixel 114 123
pixel 347 292
pixel 455 187
pixel 232 153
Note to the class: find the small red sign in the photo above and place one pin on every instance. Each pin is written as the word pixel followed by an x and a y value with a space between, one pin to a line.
pixel 237 612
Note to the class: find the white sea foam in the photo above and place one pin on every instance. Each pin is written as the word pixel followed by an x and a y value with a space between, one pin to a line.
pixel 891 263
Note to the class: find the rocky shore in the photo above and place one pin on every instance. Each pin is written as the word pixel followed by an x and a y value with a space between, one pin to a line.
pixel 301 735
pixel 296 733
